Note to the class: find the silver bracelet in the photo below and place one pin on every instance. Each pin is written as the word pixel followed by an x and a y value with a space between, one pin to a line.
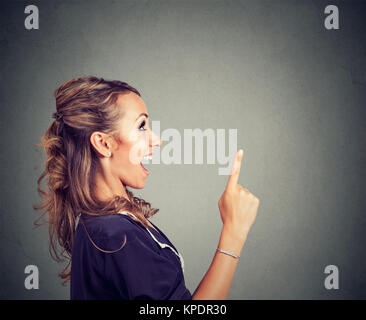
pixel 228 253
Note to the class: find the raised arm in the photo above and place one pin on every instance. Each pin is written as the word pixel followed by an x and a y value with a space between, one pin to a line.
pixel 238 209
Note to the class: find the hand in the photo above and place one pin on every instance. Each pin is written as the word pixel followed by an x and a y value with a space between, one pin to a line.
pixel 238 207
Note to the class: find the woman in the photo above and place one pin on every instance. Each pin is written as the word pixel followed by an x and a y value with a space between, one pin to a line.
pixel 94 150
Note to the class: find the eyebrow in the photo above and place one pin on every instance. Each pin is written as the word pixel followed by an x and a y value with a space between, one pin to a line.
pixel 142 114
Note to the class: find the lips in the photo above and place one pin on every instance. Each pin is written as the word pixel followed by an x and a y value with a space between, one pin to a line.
pixel 149 157
pixel 144 169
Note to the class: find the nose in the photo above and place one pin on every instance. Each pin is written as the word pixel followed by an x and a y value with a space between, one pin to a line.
pixel 155 140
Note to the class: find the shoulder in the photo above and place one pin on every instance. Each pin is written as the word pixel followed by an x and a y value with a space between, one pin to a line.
pixel 109 231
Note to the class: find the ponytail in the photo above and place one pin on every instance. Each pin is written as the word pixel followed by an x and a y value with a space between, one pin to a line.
pixel 84 105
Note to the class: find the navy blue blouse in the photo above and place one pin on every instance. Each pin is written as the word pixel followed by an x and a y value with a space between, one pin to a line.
pixel 142 269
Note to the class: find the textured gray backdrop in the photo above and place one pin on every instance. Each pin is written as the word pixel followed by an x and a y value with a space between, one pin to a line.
pixel 294 90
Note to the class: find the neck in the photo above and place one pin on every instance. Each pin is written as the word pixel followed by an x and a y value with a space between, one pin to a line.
pixel 107 187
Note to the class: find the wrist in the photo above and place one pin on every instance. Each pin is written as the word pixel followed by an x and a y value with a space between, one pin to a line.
pixel 230 241
pixel 236 233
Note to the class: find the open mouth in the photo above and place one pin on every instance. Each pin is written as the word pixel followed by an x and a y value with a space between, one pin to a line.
pixel 144 169
pixel 147 157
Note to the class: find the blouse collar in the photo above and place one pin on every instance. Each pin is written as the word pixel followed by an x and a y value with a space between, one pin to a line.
pixel 162 245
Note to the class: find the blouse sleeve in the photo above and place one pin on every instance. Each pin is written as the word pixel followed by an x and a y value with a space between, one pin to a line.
pixel 139 271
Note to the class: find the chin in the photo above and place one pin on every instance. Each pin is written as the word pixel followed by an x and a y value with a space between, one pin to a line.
pixel 140 185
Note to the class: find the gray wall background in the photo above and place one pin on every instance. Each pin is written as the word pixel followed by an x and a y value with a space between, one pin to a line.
pixel 294 90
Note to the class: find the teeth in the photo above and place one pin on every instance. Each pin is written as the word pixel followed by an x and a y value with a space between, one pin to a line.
pixel 148 157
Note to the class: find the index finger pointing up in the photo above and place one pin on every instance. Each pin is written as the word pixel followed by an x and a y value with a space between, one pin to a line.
pixel 235 170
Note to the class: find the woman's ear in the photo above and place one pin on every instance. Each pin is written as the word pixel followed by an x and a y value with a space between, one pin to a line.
pixel 101 143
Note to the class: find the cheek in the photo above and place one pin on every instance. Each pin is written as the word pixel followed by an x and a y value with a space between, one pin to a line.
pixel 137 150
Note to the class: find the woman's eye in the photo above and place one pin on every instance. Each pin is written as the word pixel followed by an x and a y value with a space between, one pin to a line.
pixel 142 126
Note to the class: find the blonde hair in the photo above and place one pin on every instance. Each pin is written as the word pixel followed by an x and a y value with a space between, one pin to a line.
pixel 87 104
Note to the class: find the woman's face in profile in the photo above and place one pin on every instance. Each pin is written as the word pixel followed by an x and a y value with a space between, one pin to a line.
pixel 137 141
